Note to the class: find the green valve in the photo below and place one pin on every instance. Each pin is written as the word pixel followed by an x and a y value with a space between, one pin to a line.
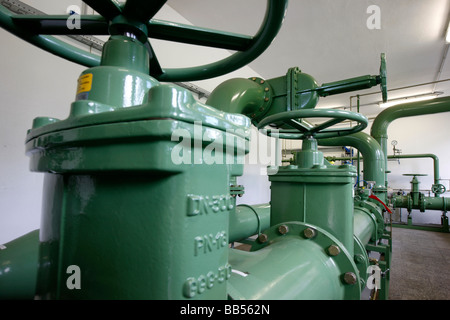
pixel 140 180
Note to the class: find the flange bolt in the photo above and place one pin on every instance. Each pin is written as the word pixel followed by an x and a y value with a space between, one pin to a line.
pixel 333 250
pixel 309 233
pixel 262 238
pixel 350 278
pixel 283 229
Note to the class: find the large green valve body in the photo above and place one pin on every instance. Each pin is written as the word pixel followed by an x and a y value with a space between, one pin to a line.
pixel 137 193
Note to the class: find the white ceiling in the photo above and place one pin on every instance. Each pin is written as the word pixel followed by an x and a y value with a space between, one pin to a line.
pixel 330 40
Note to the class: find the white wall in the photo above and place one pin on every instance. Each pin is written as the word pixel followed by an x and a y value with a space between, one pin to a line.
pixel 35 83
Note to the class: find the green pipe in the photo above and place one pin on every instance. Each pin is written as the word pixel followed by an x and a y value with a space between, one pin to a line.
pixel 290 269
pixel 248 220
pixel 238 95
pixel 384 118
pixel 405 156
pixel 423 155
pixel 424 203
pixel 19 266
pixel 373 155
pixel 275 13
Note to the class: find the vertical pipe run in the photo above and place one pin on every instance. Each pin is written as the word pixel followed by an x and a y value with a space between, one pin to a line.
pixel 384 119
pixel 373 157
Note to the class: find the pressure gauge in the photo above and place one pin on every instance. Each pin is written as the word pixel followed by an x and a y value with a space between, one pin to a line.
pixel 394 142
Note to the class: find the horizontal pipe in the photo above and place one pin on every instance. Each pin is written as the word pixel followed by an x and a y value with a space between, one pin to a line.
pixel 425 203
pixel 423 155
pixel 19 266
pixel 288 269
pixel 403 156
pixel 248 220
pixel 384 118
pixel 363 225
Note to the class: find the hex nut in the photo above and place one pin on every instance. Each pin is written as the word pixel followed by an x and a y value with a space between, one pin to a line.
pixel 350 278
pixel 283 229
pixel 333 250
pixel 262 238
pixel 359 258
pixel 309 233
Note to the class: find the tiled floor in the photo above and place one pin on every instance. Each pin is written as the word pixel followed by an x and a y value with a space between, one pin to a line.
pixel 420 267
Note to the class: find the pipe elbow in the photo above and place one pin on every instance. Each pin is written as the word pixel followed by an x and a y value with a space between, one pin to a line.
pixel 238 95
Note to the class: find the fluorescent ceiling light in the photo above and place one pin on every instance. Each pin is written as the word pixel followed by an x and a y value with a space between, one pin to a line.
pixel 423 97
pixel 447 37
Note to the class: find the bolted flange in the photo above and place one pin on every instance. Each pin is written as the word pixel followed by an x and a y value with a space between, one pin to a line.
pixel 283 229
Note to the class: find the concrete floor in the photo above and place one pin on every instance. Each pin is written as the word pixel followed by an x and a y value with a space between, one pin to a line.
pixel 420 265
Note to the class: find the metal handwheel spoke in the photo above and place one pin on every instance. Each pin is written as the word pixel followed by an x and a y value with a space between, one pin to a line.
pixel 164 30
pixel 142 10
pixel 57 24
pixel 325 125
pixel 296 125
pixel 106 8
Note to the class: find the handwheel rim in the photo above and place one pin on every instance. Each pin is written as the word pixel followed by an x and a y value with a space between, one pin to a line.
pixel 340 115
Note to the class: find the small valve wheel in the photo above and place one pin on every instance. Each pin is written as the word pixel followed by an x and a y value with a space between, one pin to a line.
pixel 438 188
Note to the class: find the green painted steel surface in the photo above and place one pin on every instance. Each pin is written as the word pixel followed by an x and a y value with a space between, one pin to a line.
pixel 18 267
pixel 139 187
pixel 423 155
pixel 134 217
pixel 300 131
pixel 374 159
pixel 244 96
pixel 136 18
pixel 248 220
pixel 364 226
pixel 320 195
pixel 422 203
pixel 436 174
pixel 384 118
pixel 128 193
pixel 291 266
